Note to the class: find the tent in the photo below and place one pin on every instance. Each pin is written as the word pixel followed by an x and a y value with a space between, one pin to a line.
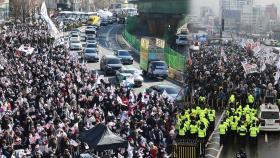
pixel 102 138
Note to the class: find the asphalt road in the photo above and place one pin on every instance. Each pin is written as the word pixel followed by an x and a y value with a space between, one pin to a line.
pixel 267 146
pixel 109 39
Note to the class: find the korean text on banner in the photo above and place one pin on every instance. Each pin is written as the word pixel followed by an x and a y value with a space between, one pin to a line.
pixel 249 68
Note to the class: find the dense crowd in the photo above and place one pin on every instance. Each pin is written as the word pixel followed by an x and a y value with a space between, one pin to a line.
pixel 47 100
pixel 217 77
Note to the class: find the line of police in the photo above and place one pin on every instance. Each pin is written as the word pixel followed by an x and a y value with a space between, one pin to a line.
pixel 199 122
pixel 196 124
pixel 240 122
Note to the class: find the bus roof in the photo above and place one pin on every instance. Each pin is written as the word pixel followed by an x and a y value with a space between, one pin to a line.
pixel 65 12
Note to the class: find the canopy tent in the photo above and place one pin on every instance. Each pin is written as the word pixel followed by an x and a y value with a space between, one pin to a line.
pixel 101 138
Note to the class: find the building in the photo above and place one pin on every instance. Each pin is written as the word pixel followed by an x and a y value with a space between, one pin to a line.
pixel 271 12
pixel 258 25
pixel 4 10
pixel 236 13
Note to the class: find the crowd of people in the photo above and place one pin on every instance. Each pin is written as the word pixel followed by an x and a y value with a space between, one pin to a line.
pixel 217 76
pixel 47 100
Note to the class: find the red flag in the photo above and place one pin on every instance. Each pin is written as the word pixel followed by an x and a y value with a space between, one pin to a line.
pixel 190 61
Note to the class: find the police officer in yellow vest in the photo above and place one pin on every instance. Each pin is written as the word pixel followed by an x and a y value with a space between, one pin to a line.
pixel 222 131
pixel 201 136
pixel 193 130
pixel 202 100
pixel 251 100
pixel 242 131
pixel 182 131
pixel 232 99
pixel 211 117
pixel 254 131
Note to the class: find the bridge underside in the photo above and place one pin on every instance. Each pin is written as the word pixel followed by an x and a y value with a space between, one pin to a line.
pixel 158 14
pixel 158 23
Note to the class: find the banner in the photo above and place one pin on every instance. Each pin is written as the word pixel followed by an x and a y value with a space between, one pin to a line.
pixel 44 15
pixel 249 68
pixel 223 54
pixel 26 49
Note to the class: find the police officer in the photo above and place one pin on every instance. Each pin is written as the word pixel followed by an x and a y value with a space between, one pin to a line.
pixel 182 131
pixel 193 129
pixel 251 100
pixel 222 131
pixel 211 118
pixel 254 131
pixel 201 136
pixel 242 131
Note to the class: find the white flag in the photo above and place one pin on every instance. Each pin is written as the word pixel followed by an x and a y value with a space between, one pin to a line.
pixel 52 28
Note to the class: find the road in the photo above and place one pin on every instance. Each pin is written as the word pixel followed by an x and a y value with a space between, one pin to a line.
pixel 268 145
pixel 109 40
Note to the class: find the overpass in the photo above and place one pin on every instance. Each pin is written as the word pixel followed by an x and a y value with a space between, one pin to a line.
pixel 158 14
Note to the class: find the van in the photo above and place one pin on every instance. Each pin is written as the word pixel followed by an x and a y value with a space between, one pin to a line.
pixel 268 115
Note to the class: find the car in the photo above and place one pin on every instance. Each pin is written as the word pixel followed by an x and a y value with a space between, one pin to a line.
pixel 268 115
pixel 91 54
pixel 181 40
pixel 90 27
pixel 136 74
pixel 110 64
pixel 125 56
pixel 73 39
pixel 91 31
pixel 90 38
pixel 91 41
pixel 173 92
pixel 75 35
pixel 76 30
pixel 91 45
pixel 75 45
pixel 104 22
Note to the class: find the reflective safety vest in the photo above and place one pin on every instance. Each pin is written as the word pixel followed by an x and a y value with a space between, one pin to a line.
pixel 202 98
pixel 182 131
pixel 232 99
pixel 233 126
pixel 193 129
pixel 251 99
pixel 201 133
pixel 211 117
pixel 253 132
pixel 222 129
pixel 242 130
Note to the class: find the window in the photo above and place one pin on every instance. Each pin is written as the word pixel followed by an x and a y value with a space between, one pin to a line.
pixel 270 115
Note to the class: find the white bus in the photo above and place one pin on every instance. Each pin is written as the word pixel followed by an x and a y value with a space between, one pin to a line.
pixel 130 11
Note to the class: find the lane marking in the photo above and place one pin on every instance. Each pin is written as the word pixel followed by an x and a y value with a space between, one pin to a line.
pixel 212 149
pixel 108 33
pixel 265 138
pixel 216 137
pixel 214 143
pixel 220 151
pixel 209 155
pixel 215 130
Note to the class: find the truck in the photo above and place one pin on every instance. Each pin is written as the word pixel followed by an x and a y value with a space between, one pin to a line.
pixel 152 61
pixel 94 21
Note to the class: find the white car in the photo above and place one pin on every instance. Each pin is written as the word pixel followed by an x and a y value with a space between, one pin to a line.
pixel 181 40
pixel 130 72
pixel 269 117
pixel 75 45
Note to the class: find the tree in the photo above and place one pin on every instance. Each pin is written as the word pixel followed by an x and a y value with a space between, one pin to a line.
pixel 21 9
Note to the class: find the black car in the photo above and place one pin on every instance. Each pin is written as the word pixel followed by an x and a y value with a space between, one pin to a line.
pixel 125 56
pixel 110 64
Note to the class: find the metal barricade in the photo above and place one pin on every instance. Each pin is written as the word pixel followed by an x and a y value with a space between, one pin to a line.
pixel 185 148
